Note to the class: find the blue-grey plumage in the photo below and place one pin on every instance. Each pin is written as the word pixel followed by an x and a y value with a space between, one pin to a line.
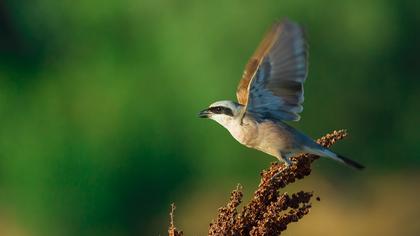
pixel 270 92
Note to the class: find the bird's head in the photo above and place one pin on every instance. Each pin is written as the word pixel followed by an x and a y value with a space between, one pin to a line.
pixel 222 111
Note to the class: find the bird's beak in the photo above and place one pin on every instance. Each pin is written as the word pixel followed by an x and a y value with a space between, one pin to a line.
pixel 204 113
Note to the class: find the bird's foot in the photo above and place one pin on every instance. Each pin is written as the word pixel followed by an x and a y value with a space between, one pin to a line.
pixel 287 164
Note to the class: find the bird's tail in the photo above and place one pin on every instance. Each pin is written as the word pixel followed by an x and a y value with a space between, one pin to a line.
pixel 322 151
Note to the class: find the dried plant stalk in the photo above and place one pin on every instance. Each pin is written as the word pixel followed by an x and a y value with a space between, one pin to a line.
pixel 272 222
pixel 172 229
pixel 227 215
pixel 277 176
pixel 269 212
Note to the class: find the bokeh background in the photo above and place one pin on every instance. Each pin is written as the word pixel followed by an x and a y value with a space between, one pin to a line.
pixel 98 104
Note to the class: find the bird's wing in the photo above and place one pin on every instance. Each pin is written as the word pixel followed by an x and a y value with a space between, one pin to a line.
pixel 272 83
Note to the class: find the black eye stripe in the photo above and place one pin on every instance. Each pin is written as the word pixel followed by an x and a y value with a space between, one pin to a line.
pixel 221 110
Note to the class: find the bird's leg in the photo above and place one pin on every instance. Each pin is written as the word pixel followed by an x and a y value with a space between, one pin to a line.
pixel 283 157
pixel 286 159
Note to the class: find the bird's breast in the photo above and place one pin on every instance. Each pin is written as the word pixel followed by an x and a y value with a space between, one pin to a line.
pixel 245 133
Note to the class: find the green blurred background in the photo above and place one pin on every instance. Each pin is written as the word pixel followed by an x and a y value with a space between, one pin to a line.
pixel 98 104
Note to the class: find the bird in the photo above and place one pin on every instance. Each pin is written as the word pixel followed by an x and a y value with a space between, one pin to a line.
pixel 269 94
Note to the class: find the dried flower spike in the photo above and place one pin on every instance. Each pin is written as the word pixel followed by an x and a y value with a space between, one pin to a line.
pixel 172 229
pixel 269 212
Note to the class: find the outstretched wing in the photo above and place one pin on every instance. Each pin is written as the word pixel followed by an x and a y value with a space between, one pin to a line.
pixel 272 83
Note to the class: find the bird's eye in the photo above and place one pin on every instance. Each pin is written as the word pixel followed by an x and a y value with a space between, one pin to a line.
pixel 217 110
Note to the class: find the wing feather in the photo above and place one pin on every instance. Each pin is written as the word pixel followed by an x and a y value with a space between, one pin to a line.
pixel 272 83
pixel 255 61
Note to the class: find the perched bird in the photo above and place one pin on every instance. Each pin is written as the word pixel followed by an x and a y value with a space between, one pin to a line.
pixel 269 93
